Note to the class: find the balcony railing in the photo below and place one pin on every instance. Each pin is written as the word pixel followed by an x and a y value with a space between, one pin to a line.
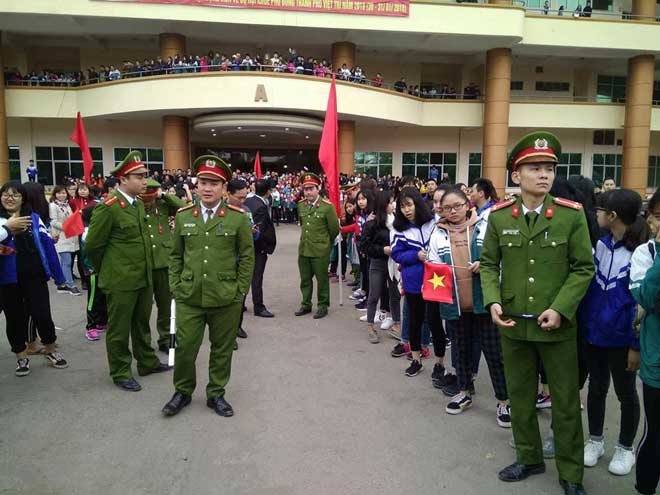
pixel 429 91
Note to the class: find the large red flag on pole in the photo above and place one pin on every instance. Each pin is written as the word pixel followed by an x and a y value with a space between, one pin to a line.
pixel 257 166
pixel 80 138
pixel 329 147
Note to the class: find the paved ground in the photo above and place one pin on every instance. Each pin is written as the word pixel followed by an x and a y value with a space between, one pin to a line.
pixel 319 410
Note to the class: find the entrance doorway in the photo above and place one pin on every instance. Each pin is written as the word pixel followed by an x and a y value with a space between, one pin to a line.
pixel 274 160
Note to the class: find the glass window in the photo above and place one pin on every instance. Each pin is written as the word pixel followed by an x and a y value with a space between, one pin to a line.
pixel 14 163
pixel 654 177
pixel 552 86
pixel 474 167
pixel 611 88
pixel 516 85
pixel 442 163
pixel 154 154
pixel 569 164
pixel 373 163
pixel 120 154
pixel 408 159
pixel 408 171
pixel 607 166
pixel 151 157
pixel 56 163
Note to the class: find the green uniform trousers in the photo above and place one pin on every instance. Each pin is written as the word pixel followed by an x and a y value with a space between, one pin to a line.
pixel 521 371
pixel 128 315
pixel 190 324
pixel 314 267
pixel 163 299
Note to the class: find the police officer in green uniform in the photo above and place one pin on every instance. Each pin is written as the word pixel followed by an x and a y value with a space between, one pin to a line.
pixel 211 268
pixel 536 266
pixel 160 207
pixel 319 228
pixel 118 247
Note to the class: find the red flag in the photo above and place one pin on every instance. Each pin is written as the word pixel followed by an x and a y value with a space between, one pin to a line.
pixel 73 226
pixel 329 147
pixel 438 283
pixel 80 138
pixel 257 166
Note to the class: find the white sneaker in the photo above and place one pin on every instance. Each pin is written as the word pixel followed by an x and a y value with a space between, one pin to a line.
pixel 359 294
pixel 380 316
pixel 388 322
pixel 363 318
pixel 593 450
pixel 622 462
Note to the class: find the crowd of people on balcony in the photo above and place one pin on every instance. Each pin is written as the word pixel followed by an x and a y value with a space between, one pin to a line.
pixel 291 63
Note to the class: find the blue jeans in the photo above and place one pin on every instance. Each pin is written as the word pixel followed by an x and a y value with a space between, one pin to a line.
pixel 426 329
pixel 66 260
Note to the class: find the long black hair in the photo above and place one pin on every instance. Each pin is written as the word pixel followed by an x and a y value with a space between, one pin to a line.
pixel 369 196
pixel 18 187
pixel 381 203
pixel 422 212
pixel 36 199
pixel 627 204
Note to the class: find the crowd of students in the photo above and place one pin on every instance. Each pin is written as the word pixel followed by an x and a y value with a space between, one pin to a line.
pixel 389 228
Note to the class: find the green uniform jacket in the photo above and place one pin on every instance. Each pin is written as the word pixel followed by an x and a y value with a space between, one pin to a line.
pixel 211 263
pixel 319 229
pixel 528 272
pixel 118 244
pixel 158 228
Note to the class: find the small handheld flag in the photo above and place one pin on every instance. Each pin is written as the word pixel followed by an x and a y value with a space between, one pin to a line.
pixel 438 284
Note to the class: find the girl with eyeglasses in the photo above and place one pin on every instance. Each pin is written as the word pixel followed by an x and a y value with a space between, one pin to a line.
pixel 27 261
pixel 457 241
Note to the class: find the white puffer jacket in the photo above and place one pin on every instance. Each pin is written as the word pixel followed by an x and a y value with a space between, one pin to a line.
pixel 58 214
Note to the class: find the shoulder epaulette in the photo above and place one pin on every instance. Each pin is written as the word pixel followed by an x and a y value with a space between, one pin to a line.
pixel 326 201
pixel 236 208
pixel 501 205
pixel 568 203
pixel 184 208
pixel 110 200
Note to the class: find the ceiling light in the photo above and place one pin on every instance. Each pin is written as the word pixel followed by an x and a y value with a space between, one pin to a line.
pixel 286 166
pixel 212 130
pixel 262 135
pixel 239 128
pixel 306 137
pixel 214 134
pixel 286 128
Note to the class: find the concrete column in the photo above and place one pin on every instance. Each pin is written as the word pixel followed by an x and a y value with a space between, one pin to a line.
pixel 171 44
pixel 637 124
pixel 4 145
pixel 496 116
pixel 643 10
pixel 175 142
pixel 346 146
pixel 343 52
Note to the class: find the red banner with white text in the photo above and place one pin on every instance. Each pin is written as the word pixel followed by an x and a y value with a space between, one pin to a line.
pixel 393 8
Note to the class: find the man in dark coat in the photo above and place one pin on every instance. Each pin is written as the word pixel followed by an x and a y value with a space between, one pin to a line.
pixel 263 245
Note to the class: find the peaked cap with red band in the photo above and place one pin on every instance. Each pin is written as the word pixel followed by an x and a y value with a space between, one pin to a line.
pixel 130 164
pixel 310 179
pixel 212 167
pixel 539 146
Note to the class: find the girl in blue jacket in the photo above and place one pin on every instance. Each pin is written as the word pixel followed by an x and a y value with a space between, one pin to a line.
pixel 606 315
pixel 409 240
pixel 27 261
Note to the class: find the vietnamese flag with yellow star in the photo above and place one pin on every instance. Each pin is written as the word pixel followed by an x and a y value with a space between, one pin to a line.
pixel 438 283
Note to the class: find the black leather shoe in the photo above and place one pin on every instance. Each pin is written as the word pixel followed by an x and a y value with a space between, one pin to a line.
pixel 320 313
pixel 264 313
pixel 131 385
pixel 572 488
pixel 220 406
pixel 302 311
pixel 241 333
pixel 176 403
pixel 158 369
pixel 164 348
pixel 518 472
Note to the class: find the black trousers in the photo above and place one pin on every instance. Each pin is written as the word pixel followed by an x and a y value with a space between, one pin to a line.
pixel 603 362
pixel 260 260
pixel 97 307
pixel 344 259
pixel 364 273
pixel 416 315
pixel 28 298
pixel 462 331
pixel 437 330
pixel 648 452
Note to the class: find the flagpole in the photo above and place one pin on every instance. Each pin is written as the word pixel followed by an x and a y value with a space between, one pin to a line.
pixel 339 269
